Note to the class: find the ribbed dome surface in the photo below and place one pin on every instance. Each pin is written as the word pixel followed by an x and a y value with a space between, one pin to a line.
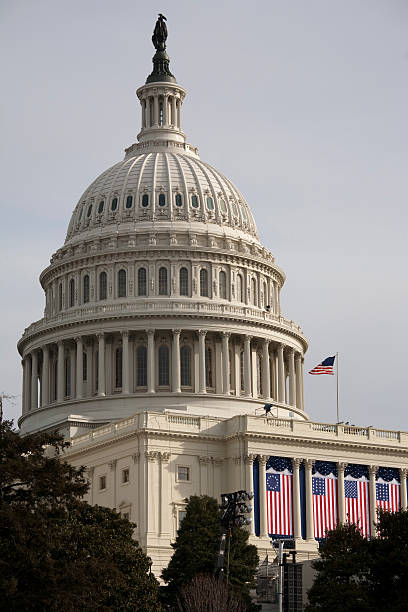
pixel 160 186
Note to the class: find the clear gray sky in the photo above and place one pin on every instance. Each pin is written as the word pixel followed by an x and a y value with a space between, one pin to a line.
pixel 302 104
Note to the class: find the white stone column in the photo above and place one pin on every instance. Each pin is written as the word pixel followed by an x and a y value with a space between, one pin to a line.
pixel 34 380
pixel 403 489
pixel 45 377
pixel 143 113
pixel 201 361
pixel 173 111
pixel 165 110
pixel 60 372
pixel 72 372
pixel 125 362
pixel 281 374
pixel 266 371
pixel 341 500
pixel 263 525
pixel 309 499
pixel 175 366
pixel 147 112
pixel 156 110
pixel 249 487
pixel 101 365
pixel 164 491
pixel 90 367
pixel 179 114
pixel 247 366
pixel 79 366
pixel 373 498
pixel 297 526
pixel 225 363
pixel 150 361
pixel 24 386
pixel 298 370
pixel 292 380
pixel 302 384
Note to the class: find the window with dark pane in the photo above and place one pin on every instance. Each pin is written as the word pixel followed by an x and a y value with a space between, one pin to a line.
pixel 240 291
pixel 88 214
pixel 84 366
pixel 208 367
pixel 118 367
pixel 162 199
pixel 142 281
pixel 86 288
pixel 67 376
pixel 222 283
pixel 241 368
pixel 163 365
pixel 103 286
pixel 185 366
pixel 100 207
pixel 162 281
pixel 114 204
pixel 129 201
pixel 145 200
pixel 60 296
pixel 194 201
pixel 179 200
pixel 141 366
pixel 183 281
pixel 203 282
pixel 210 203
pixel 72 292
pixel 122 283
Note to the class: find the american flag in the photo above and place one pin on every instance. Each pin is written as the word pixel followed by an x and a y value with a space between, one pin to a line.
pixel 279 503
pixel 326 367
pixel 388 496
pixel 324 493
pixel 357 503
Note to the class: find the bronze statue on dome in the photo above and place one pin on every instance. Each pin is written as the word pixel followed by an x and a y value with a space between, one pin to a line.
pixel 160 33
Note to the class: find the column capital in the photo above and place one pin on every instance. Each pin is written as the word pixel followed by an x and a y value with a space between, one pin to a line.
pixel 176 332
pixel 165 457
pixel 150 332
pixel 100 335
pixel 248 338
pixel 403 472
pixel 60 343
pixel 90 471
pixel 112 464
pixel 125 333
pixel 298 356
pixel 372 469
pixel 341 466
pixel 309 463
pixel 151 456
pixel 249 459
pixel 263 459
pixel 296 462
pixel 266 341
pixel 202 332
pixel 281 345
pixel 204 459
pixel 226 334
pixel 78 339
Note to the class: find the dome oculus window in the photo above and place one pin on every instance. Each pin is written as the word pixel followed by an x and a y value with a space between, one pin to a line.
pixel 178 200
pixel 162 199
pixel 100 207
pixel 194 201
pixel 223 205
pixel 129 201
pixel 114 204
pixel 145 200
pixel 88 214
pixel 210 203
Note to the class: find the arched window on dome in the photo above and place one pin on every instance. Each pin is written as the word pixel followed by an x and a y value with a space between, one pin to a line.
pixel 122 283
pixel 208 367
pixel 163 281
pixel 129 201
pixel 100 207
pixel 86 288
pixel 241 370
pixel 203 282
pixel 118 367
pixel 240 288
pixel 162 199
pixel 54 380
pixel 114 204
pixel 179 200
pixel 141 366
pixel 164 375
pixel 253 292
pixel 185 366
pixel 88 214
pixel 194 201
pixel 141 281
pixel 151 113
pixel 103 286
pixel 183 281
pixel 145 200
pixel 222 285
pixel 210 203
pixel 71 293
pixel 60 296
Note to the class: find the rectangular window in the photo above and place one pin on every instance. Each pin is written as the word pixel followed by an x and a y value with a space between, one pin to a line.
pixel 183 473
pixel 181 517
pixel 102 483
pixel 125 475
pixel 126 515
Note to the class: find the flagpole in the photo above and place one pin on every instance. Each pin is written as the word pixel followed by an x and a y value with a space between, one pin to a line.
pixel 337 386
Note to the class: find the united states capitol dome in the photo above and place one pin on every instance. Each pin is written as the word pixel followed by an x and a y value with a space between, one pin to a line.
pixel 162 296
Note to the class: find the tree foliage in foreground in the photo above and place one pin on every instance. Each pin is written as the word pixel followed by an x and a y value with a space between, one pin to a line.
pixel 196 548
pixel 355 574
pixel 56 551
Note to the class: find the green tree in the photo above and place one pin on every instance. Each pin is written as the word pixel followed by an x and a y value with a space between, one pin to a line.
pixel 196 548
pixel 56 551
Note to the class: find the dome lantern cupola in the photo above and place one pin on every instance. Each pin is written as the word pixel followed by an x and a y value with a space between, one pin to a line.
pixel 161 97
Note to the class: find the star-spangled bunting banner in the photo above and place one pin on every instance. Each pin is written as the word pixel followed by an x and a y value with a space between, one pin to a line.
pixel 326 367
pixel 324 493
pixel 279 501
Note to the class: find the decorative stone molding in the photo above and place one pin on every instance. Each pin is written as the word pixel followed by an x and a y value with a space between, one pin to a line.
pixel 152 456
pixel 296 462
pixel 165 457
pixel 112 464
